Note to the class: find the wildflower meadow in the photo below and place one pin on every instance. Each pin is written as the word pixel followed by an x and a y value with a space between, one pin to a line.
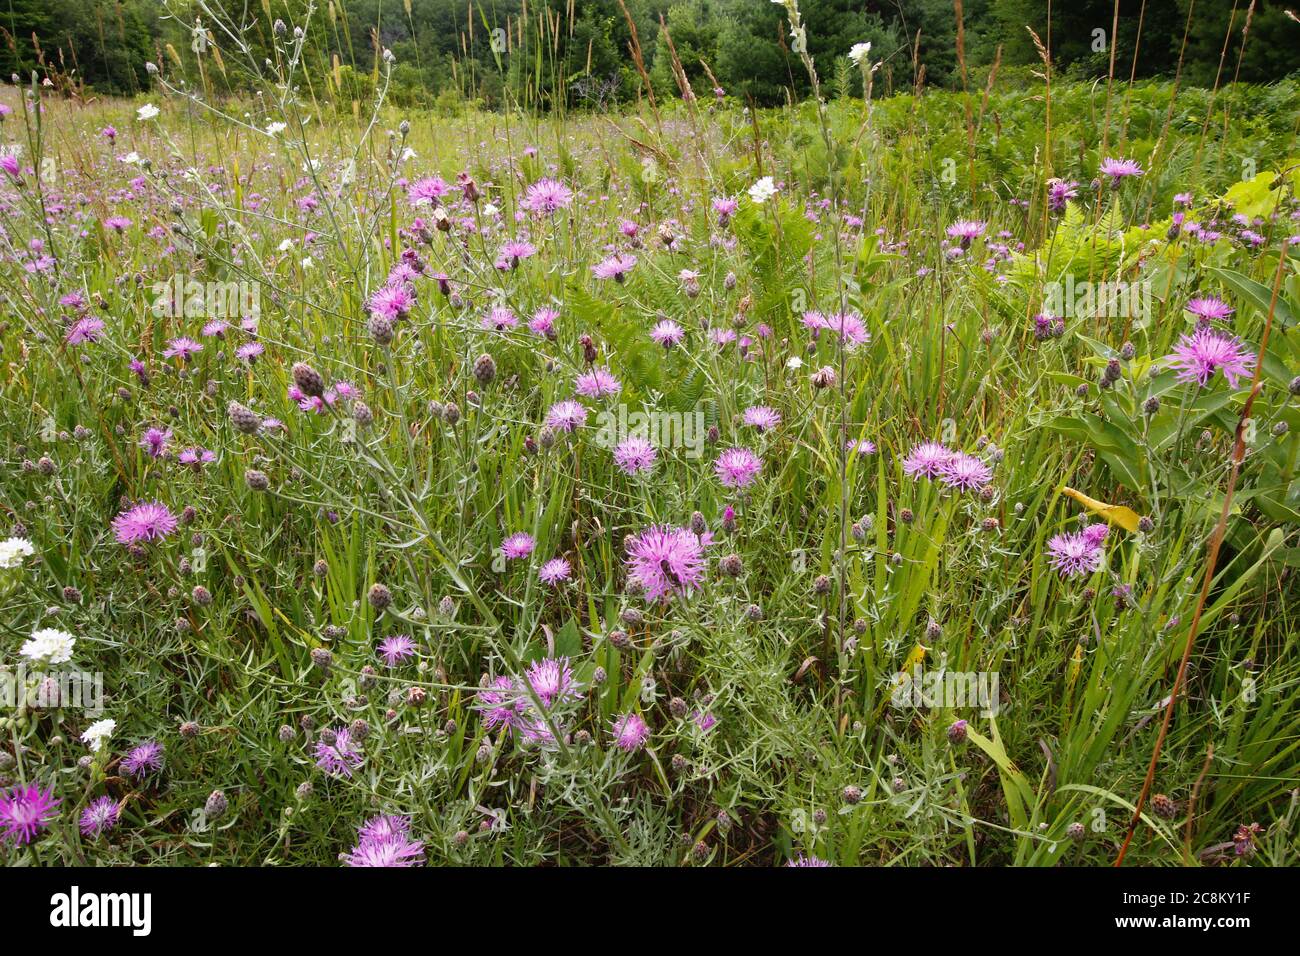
pixel 870 477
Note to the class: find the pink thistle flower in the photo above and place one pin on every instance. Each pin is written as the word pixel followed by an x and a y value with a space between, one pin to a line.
pixel 499 703
pixel 1060 192
pixel 393 301
pixel 85 329
pixel 635 454
pixel 667 333
pixel 155 441
pixel 630 732
pixel 543 322
pixel 144 759
pixel 518 545
pixel 99 817
pixel 547 196
pixel 500 319
pixel 555 571
pixel 802 860
pixel 704 721
pixel 861 446
pixel 597 383
pixel 196 457
pixel 427 191
pixel 1119 169
pixel 737 467
pixel 965 231
pixel 965 473
pixel 566 416
pixel 927 460
pixel 25 811
pixel 396 648
pixel 1209 309
pixel 1197 356
pixel 386 841
pixel 147 521
pixel 516 250
pixel 182 347
pixel 551 679
pixel 762 417
pixel 615 267
pixel 337 753
pixel 1075 553
pixel 664 560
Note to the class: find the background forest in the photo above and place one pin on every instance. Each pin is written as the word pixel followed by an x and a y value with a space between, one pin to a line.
pixel 579 49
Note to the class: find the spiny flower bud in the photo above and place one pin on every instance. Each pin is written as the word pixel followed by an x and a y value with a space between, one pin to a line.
pixel 257 480
pixel 243 418
pixel 381 329
pixel 485 369
pixel 308 380
pixel 957 731
pixel 216 805
pixel 379 597
pixel 824 377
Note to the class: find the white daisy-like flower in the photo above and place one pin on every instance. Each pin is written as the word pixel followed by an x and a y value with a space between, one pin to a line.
pixel 147 112
pixel 859 51
pixel 794 362
pixel 13 550
pixel 49 646
pixel 763 190
pixel 275 129
pixel 98 732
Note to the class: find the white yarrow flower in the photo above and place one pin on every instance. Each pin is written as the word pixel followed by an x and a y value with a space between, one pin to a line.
pixel 763 190
pixel 49 646
pixel 147 112
pixel 275 129
pixel 13 550
pixel 98 732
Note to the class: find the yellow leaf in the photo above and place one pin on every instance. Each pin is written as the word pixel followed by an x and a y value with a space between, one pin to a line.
pixel 1076 661
pixel 1125 517
pixel 914 659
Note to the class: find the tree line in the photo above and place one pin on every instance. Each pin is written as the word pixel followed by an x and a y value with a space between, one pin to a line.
pixel 584 53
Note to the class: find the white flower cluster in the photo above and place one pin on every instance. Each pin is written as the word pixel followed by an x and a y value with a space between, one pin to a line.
pixel 49 645
pixel 763 190
pixel 13 550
